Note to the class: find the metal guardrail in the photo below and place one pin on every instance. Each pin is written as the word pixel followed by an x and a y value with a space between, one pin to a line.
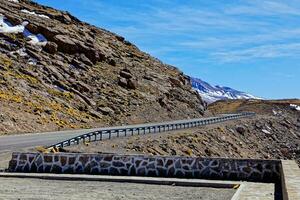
pixel 110 133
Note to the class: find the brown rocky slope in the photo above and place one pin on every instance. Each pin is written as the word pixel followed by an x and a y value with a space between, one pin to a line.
pixel 264 107
pixel 82 76
pixel 273 134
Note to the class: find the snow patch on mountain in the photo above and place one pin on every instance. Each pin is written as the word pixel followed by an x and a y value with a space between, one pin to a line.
pixel 295 107
pixel 33 13
pixel 15 1
pixel 38 39
pixel 7 27
pixel 211 93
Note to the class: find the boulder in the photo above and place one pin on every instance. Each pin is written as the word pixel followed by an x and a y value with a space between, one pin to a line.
pixel 95 55
pixel 125 74
pixel 85 60
pixel 132 84
pixel 127 80
pixel 50 47
pixel 66 44
pixel 122 82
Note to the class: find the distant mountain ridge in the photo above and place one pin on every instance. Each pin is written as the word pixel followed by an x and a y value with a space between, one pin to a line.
pixel 211 93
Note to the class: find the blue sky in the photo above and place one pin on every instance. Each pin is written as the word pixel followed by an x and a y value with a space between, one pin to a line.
pixel 250 45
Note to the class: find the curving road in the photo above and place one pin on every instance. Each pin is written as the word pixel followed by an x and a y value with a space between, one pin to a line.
pixel 16 142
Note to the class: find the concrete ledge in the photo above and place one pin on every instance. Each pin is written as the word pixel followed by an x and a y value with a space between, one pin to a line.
pixel 257 191
pixel 127 179
pixel 153 166
pixel 290 177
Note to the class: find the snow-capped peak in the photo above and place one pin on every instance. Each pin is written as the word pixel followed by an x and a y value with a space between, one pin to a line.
pixel 295 107
pixel 211 93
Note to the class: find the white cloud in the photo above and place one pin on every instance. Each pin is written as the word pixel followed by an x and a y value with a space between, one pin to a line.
pixel 264 51
pixel 228 31
pixel 266 7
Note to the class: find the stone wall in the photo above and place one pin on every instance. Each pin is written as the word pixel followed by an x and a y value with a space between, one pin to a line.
pixel 140 165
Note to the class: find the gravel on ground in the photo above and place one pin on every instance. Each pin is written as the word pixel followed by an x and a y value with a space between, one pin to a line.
pixel 24 189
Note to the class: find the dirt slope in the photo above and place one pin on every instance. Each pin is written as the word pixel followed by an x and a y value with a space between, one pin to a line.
pixel 274 135
pixel 257 106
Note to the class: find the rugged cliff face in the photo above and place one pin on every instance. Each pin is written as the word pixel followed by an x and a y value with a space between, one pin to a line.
pixel 59 72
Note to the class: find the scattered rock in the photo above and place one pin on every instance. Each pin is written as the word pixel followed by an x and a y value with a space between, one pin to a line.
pixel 266 132
pixel 126 80
pixel 148 77
pixel 112 62
pixel 122 82
pixel 95 114
pixel 208 152
pixel 241 130
pixel 163 102
pixel 106 110
pixel 175 82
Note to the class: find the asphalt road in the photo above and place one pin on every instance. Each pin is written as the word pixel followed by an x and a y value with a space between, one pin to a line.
pixel 23 141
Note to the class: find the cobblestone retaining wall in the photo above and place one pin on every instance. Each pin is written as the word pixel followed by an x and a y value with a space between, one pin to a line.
pixel 157 166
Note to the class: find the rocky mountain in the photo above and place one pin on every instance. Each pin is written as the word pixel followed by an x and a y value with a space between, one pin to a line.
pixel 211 93
pixel 259 106
pixel 57 72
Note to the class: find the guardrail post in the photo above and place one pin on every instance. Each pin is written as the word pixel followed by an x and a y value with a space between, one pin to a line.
pixel 95 136
pixel 101 135
pixel 132 132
